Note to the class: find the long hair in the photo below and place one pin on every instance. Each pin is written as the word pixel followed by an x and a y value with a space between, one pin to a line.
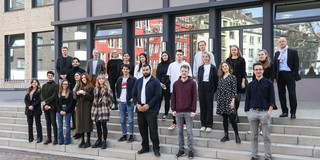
pixel 266 63
pixel 61 88
pixel 31 87
pixel 220 71
pixel 169 58
pixel 105 83
pixel 88 81
pixel 206 53
pixel 147 62
pixel 238 54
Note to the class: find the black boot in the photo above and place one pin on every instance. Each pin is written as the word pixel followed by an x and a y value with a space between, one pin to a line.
pixel 104 144
pixel 82 140
pixel 97 144
pixel 238 140
pixel 115 107
pixel 225 138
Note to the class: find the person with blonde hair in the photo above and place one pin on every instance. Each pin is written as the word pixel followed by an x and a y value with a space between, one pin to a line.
pixel 267 65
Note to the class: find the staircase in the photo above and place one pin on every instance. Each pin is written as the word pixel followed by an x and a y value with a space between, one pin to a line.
pixel 297 139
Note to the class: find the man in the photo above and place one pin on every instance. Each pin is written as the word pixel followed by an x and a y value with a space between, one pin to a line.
pixel 286 63
pixel 174 74
pixel 260 101
pixel 198 58
pixel 63 64
pixel 146 96
pixel 95 66
pixel 48 100
pixel 184 105
pixel 70 77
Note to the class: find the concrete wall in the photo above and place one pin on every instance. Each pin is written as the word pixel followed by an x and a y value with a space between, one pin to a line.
pixel 106 7
pixel 140 5
pixel 73 9
pixel 175 3
pixel 24 22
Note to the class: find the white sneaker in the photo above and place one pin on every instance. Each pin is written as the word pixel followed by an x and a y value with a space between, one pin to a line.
pixel 208 129
pixel 260 133
pixel 202 129
pixel 172 127
pixel 184 127
pixel 249 132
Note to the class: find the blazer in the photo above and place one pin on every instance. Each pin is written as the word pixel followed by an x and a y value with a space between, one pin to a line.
pixel 50 96
pixel 69 104
pixel 130 84
pixel 100 69
pixel 292 62
pixel 35 102
pixel 153 94
pixel 213 78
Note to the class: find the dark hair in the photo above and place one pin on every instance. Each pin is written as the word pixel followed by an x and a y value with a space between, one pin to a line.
pixel 185 66
pixel 147 65
pixel 61 88
pixel 202 42
pixel 238 53
pixel 145 56
pixel 31 87
pixel 220 71
pixel 125 53
pixel 50 72
pixel 126 65
pixel 179 50
pixel 75 58
pixel 169 58
pixel 257 64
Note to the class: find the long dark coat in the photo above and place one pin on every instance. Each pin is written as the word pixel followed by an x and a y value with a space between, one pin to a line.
pixel 83 113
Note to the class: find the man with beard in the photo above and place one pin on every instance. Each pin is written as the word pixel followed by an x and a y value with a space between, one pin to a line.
pixel 146 96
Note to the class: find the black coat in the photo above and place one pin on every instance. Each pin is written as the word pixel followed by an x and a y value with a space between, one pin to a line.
pixel 268 73
pixel 50 96
pixel 239 70
pixel 130 83
pixel 69 103
pixel 292 62
pixel 61 67
pixel 213 78
pixel 35 102
pixel 162 70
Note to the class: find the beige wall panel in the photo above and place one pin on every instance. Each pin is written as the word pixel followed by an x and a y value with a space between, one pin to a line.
pixel 141 5
pixel 175 3
pixel 106 7
pixel 73 9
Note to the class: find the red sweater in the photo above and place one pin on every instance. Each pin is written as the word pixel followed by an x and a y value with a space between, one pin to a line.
pixel 184 96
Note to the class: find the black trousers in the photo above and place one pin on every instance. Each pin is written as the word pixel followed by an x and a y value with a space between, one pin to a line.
pixel 232 119
pixel 102 125
pixel 167 96
pixel 51 120
pixel 206 105
pixel 38 126
pixel 148 120
pixel 287 79
pixel 112 83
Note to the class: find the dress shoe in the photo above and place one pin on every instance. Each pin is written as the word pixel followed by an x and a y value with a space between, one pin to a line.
pixel 293 116
pixel 73 127
pixel 97 144
pixel 55 142
pixel 30 140
pixel 77 136
pixel 81 144
pixel 225 138
pixel 48 141
pixel 157 153
pixel 115 107
pixel 284 115
pixel 104 144
pixel 86 145
pixel 252 158
pixel 39 140
pixel 238 140
pixel 143 150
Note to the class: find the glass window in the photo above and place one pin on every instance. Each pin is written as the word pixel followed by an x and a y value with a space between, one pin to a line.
pixel 226 42
pixel 38 3
pixel 303 37
pixel 299 10
pixel 106 46
pixel 44 53
pixel 14 5
pixel 241 17
pixel 252 47
pixel 186 46
pixel 74 33
pixel 149 26
pixel 197 38
pixel 104 30
pixel 16 57
pixel 192 22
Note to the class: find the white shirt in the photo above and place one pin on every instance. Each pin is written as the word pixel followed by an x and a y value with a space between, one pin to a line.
pixel 197 62
pixel 138 74
pixel 284 65
pixel 143 90
pixel 206 73
pixel 123 95
pixel 174 72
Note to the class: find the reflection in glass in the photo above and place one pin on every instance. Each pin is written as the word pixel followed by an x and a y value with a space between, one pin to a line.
pixel 14 4
pixel 106 46
pixel 303 37
pixel 197 38
pixel 74 33
pixel 16 40
pixel 149 26
pixel 182 42
pixel 252 43
pixel 228 38
pixel 300 10
pixel 79 50
pixel 16 63
pixel 140 47
pixel 108 30
pixel 38 3
pixel 192 22
pixel 241 17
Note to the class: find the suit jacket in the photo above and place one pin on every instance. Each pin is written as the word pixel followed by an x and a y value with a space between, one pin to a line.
pixel 213 78
pixel 35 102
pixel 50 96
pixel 101 68
pixel 292 62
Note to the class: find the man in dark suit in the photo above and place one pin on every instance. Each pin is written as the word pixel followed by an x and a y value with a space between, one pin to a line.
pixel 286 74
pixel 48 100
pixel 146 96
pixel 95 66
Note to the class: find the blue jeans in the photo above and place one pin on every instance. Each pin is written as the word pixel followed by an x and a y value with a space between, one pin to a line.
pixel 123 106
pixel 61 138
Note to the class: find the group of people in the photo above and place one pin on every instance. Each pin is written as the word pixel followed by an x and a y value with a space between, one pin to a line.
pixel 91 96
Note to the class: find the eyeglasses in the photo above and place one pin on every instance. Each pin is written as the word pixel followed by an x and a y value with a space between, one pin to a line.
pixel 258 69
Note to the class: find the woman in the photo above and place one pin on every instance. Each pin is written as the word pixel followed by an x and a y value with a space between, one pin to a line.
pixel 238 65
pixel 33 109
pixel 126 60
pixel 100 110
pixel 84 100
pixel 162 70
pixel 227 92
pixel 267 65
pixel 138 69
pixel 64 103
pixel 207 85
pixel 113 73
pixel 74 90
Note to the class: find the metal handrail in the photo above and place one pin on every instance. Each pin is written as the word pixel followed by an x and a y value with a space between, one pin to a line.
pixel 21 83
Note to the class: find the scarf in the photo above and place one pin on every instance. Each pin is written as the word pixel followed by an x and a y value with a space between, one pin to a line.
pixel 281 56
